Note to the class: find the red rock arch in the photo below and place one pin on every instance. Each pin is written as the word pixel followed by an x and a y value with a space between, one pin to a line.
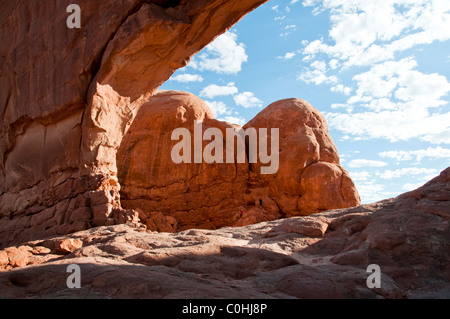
pixel 68 95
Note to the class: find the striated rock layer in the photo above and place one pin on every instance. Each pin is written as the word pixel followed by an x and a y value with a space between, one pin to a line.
pixel 320 256
pixel 67 96
pixel 200 195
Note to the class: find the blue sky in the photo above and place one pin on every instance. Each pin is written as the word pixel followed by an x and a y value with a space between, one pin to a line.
pixel 378 70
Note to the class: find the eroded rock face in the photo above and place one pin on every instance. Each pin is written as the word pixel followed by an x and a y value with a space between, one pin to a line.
pixel 195 194
pixel 320 256
pixel 68 95
pixel 200 195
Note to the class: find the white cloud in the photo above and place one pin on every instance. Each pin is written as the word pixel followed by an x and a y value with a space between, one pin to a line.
pixel 379 104
pixel 433 152
pixel 288 55
pixel 359 176
pixel 366 32
pixel 288 30
pixel 371 191
pixel 399 102
pixel 185 78
pixel 309 3
pixel 399 79
pixel 248 100
pixel 333 63
pixel 224 55
pixel 340 105
pixel 317 77
pixel 365 163
pixel 214 90
pixel 218 108
pixel 316 74
pixel 419 87
pixel 284 34
pixel 442 136
pixel 397 125
pixel 341 89
pixel 233 120
pixel 411 186
pixel 319 65
pixel 406 171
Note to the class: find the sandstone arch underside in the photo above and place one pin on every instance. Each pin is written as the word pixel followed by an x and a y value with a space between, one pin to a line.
pixel 67 96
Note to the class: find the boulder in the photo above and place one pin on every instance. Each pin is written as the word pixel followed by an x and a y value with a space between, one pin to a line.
pixel 309 179
pixel 67 246
pixel 195 194
pixel 4 260
pixel 17 257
